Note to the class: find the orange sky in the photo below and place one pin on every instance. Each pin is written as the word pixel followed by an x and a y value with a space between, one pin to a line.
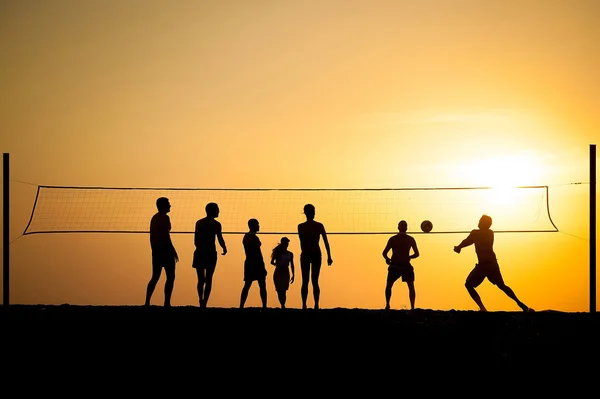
pixel 301 94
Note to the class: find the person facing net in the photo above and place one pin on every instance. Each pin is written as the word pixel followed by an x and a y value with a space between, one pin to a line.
pixel 254 265
pixel 283 260
pixel 487 264
pixel 207 231
pixel 310 233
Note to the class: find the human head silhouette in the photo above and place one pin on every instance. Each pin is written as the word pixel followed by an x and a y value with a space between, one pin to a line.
pixel 402 226
pixel 212 209
pixel 253 225
pixel 163 205
pixel 485 222
pixel 309 211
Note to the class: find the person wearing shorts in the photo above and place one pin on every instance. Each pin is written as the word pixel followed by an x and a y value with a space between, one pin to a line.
pixel 283 260
pixel 254 264
pixel 487 264
pixel 481 271
pixel 164 255
pixel 207 231
pixel 405 271
pixel 399 265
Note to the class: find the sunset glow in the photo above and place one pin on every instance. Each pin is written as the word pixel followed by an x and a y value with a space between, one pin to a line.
pixel 295 94
pixel 505 172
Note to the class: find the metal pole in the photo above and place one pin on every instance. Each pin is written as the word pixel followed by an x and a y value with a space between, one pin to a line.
pixel 592 228
pixel 6 234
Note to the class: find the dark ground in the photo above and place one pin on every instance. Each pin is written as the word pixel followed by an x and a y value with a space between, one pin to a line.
pixel 363 347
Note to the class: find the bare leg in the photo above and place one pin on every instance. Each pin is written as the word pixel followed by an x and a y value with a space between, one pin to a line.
pixel 305 282
pixel 475 296
pixel 200 286
pixel 281 295
pixel 509 292
pixel 388 293
pixel 411 294
pixel 208 279
pixel 315 283
pixel 152 284
pixel 262 285
pixel 169 283
pixel 244 295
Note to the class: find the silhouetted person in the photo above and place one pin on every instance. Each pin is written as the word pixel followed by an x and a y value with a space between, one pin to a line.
pixel 164 254
pixel 399 263
pixel 487 264
pixel 207 231
pixel 310 233
pixel 283 260
pixel 254 265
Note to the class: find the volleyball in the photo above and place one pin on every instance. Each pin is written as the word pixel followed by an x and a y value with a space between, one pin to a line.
pixel 426 226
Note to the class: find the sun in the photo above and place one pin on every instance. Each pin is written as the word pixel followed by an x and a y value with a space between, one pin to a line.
pixel 504 174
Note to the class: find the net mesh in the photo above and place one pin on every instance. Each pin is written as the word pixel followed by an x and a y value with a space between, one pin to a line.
pixel 343 211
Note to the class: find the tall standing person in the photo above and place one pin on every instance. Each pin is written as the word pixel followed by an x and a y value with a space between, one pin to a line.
pixel 207 231
pixel 164 254
pixel 254 265
pixel 310 233
pixel 399 264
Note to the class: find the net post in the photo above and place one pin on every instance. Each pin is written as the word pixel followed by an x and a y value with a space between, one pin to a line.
pixel 592 228
pixel 5 237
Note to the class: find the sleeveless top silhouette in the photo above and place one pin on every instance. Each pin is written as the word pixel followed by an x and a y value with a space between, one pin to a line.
pixel 160 242
pixel 283 260
pixel 281 275
pixel 310 233
pixel 205 236
pixel 254 265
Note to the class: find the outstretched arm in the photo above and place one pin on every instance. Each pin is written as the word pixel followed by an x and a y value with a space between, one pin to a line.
pixel 465 243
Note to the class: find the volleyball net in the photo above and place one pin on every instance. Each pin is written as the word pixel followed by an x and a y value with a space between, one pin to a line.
pixel 60 209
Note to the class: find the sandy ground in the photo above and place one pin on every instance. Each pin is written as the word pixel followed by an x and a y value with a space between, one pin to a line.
pixel 361 346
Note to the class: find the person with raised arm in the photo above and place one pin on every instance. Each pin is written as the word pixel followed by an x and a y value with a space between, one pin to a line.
pixel 487 264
